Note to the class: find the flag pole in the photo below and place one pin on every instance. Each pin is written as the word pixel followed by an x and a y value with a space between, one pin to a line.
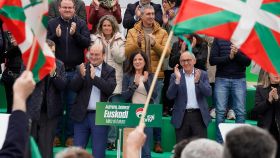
pixel 155 78
pixel 28 67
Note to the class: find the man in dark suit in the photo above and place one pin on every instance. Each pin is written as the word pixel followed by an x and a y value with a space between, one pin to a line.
pixel 94 82
pixel 132 13
pixel 45 106
pixel 189 87
pixel 17 133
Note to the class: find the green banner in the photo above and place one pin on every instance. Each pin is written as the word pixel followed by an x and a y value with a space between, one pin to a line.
pixel 127 114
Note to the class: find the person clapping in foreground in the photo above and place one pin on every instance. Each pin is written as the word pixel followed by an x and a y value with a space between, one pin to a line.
pixel 17 133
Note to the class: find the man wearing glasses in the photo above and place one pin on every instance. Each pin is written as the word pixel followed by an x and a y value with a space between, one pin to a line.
pixel 189 88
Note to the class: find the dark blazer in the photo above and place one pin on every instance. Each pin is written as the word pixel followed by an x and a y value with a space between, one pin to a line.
pixel 264 110
pixel 83 86
pixel 16 137
pixel 55 86
pixel 179 94
pixel 128 87
pixel 128 19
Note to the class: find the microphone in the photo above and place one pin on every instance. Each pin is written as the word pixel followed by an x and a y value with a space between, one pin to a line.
pixel 116 94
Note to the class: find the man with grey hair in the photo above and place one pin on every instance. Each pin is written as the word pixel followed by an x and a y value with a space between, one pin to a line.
pixel 249 141
pixel 73 152
pixel 132 13
pixel 189 88
pixel 148 36
pixel 202 148
pixel 93 82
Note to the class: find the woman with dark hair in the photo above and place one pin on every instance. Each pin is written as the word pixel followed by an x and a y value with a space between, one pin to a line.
pixel 267 105
pixel 136 85
pixel 199 49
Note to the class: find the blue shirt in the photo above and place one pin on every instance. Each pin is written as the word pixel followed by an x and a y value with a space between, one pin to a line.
pixel 95 92
pixel 190 85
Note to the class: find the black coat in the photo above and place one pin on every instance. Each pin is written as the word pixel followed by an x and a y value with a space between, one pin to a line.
pixel 16 137
pixel 128 19
pixel 227 68
pixel 2 43
pixel 69 49
pixel 83 86
pixel 53 99
pixel 266 111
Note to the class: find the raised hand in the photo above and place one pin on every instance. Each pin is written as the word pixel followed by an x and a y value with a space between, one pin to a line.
pixel 165 18
pixel 194 41
pixel 197 74
pixel 22 88
pixel 135 141
pixel 146 75
pixel 177 73
pixel 137 12
pixel 96 2
pixel 82 68
pixel 274 93
pixel 92 71
pixel 183 47
pixel 137 79
pixel 233 51
pixel 139 39
pixel 58 31
pixel 152 39
pixel 73 28
pixel 52 73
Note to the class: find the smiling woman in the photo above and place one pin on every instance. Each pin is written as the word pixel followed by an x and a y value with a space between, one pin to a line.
pixel 136 85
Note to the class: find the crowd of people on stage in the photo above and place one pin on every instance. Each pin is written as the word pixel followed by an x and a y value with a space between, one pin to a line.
pixel 100 64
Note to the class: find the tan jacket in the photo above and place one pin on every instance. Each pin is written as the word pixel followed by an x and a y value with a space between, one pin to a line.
pixel 160 38
pixel 114 56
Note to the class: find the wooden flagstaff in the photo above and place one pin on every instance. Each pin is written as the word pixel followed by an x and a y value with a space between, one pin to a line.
pixel 155 78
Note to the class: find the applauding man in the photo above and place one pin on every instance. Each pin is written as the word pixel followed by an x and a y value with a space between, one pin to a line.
pixel 189 87
pixel 94 82
pixel 71 37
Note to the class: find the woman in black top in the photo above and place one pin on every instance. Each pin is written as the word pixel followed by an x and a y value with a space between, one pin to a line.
pixel 267 105
pixel 13 62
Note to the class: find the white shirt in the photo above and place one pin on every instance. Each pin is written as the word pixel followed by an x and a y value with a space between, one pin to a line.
pixel 190 85
pixel 95 92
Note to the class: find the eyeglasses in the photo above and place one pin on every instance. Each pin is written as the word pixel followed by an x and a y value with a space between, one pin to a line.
pixel 65 8
pixel 184 61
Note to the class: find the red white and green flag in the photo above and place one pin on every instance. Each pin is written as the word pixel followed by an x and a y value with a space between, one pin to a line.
pixel 252 25
pixel 27 21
